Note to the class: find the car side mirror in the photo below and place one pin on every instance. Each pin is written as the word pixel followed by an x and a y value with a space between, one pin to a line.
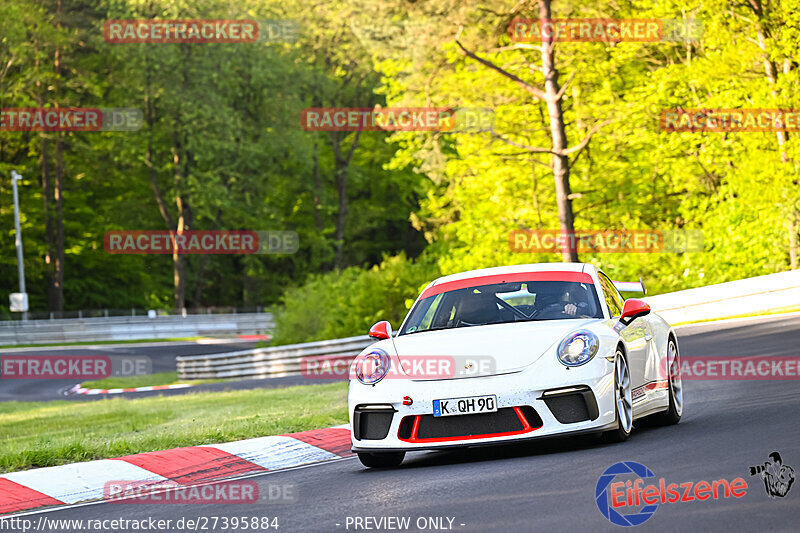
pixel 382 330
pixel 633 309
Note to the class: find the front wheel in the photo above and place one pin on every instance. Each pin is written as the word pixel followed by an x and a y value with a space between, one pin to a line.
pixel 382 459
pixel 624 402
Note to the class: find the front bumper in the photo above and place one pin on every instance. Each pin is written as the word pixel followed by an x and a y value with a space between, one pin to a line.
pixel 526 395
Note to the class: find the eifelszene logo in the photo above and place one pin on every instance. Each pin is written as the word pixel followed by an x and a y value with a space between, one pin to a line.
pixel 631 494
pixel 778 477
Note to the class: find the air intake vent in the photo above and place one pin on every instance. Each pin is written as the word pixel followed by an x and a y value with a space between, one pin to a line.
pixel 573 405
pixel 372 423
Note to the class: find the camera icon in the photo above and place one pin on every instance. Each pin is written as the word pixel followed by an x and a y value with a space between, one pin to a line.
pixel 778 477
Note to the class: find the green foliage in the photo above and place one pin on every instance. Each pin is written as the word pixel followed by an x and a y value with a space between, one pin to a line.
pixel 733 187
pixel 226 138
pixel 349 302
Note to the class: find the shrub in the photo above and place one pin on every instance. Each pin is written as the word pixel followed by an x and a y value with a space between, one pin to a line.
pixel 346 303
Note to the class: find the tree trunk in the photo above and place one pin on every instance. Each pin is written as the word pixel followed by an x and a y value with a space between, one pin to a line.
pixel 151 167
pixel 178 279
pixel 342 162
pixel 771 73
pixel 317 193
pixel 44 163
pixel 48 225
pixel 793 241
pixel 772 77
pixel 535 194
pixel 770 70
pixel 559 152
pixel 341 216
pixel 560 162
pixel 200 281
pixel 58 285
pixel 58 280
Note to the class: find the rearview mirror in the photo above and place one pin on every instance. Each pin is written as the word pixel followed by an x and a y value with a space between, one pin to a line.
pixel 509 287
pixel 633 309
pixel 381 330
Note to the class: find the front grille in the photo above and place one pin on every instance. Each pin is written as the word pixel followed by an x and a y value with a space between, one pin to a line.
pixel 405 427
pixel 505 420
pixel 530 414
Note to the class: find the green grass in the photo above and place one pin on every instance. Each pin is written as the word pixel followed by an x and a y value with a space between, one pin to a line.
pixel 149 380
pixel 776 311
pixel 93 343
pixel 38 434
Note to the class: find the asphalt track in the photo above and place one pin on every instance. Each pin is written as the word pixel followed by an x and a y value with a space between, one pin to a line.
pixel 550 485
pixel 162 355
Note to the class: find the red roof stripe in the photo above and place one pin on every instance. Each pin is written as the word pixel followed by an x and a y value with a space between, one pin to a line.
pixel 555 275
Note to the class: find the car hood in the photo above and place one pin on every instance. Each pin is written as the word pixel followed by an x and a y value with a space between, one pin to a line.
pixel 508 347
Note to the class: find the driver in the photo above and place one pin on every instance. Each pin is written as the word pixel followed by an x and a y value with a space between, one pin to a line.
pixel 555 301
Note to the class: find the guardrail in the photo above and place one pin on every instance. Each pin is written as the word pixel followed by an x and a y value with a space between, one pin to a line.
pixel 132 328
pixel 269 362
pixel 6 316
pixel 745 296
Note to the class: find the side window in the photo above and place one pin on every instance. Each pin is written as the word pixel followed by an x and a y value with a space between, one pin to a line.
pixel 427 318
pixel 613 299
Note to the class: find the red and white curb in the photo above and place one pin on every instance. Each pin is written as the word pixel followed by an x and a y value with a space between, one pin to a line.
pixel 77 389
pixel 239 338
pixel 81 482
pixel 255 337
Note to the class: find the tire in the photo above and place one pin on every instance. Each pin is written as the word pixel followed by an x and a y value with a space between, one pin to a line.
pixel 382 459
pixel 623 404
pixel 673 413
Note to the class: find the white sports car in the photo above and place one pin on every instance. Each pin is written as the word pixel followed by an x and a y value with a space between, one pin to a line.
pixel 512 353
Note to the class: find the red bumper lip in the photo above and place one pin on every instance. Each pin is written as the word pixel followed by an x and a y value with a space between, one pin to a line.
pixel 526 428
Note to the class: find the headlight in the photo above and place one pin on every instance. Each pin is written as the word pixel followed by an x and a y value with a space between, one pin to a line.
pixel 372 366
pixel 578 348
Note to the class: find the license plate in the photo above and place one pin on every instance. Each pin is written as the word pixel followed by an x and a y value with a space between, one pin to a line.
pixel 465 406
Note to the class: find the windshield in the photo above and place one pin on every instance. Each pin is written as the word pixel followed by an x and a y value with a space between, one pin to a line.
pixel 504 302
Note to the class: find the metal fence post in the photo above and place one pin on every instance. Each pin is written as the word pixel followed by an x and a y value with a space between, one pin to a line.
pixel 18 238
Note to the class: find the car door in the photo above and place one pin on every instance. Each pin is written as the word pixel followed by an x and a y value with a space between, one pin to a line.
pixel 636 335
